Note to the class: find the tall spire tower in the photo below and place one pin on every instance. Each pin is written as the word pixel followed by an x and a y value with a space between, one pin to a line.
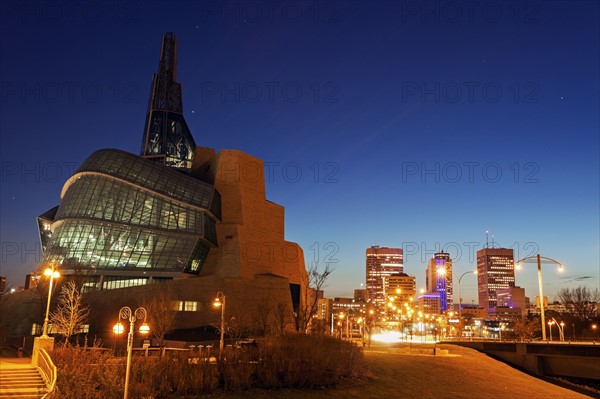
pixel 167 138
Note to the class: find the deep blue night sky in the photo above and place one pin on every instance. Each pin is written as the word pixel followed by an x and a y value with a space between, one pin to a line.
pixel 498 101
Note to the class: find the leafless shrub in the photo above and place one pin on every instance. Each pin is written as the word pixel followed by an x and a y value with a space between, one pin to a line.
pixel 313 283
pixel 70 313
pixel 282 318
pixel 87 373
pixel 307 361
pixel 289 361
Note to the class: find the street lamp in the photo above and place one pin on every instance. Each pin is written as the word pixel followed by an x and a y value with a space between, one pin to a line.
pixel 561 329
pixel 550 323
pixel 52 273
pixel 220 301
pixel 126 314
pixel 342 316
pixel 459 298
pixel 539 260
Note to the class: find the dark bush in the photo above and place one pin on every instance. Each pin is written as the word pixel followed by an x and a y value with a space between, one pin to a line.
pixel 307 361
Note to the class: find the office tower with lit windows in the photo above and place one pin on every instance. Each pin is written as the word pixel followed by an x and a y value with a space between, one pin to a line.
pixel 429 303
pixel 439 279
pixel 381 263
pixel 360 295
pixel 402 286
pixel 495 271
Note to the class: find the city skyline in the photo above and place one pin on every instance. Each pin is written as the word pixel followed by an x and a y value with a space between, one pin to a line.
pixel 395 136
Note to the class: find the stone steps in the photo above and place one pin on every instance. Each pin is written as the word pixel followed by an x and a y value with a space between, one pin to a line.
pixel 23 382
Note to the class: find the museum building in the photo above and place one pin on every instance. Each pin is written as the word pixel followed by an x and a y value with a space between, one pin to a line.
pixel 188 217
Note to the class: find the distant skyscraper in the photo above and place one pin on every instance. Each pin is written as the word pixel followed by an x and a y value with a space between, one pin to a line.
pixel 495 270
pixel 429 303
pixel 360 295
pixel 439 279
pixel 402 286
pixel 381 263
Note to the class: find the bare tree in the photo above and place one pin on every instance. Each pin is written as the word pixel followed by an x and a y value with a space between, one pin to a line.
pixel 237 327
pixel 263 315
pixel 581 302
pixel 282 318
pixel 161 314
pixel 70 313
pixel 525 329
pixel 237 323
pixel 313 284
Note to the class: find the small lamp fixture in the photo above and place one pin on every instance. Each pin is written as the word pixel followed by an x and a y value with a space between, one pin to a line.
pixel 144 328
pixel 118 328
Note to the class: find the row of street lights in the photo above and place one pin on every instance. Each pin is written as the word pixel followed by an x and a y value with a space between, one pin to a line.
pixel 530 259
pixel 220 301
pixel 560 326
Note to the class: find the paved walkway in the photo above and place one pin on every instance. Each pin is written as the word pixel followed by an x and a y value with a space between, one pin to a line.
pixel 14 362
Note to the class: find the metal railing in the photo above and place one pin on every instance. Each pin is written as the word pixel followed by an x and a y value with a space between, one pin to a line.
pixel 47 370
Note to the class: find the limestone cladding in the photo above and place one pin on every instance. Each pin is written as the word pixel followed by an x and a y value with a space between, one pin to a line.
pixel 251 233
pixel 246 300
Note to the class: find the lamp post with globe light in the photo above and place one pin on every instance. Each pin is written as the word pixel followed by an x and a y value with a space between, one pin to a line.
pixel 44 342
pixel 539 260
pixel 52 273
pixel 132 316
pixel 561 328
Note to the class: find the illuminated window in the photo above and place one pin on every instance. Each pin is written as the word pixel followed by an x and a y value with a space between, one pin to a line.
pixel 185 306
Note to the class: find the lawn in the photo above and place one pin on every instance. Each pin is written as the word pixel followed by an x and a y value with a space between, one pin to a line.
pixel 466 373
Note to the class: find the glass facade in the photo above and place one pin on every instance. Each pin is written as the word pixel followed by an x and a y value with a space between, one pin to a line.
pixel 44 222
pixel 167 139
pixel 121 212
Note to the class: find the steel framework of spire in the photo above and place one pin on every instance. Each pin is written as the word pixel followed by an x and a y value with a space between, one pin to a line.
pixel 167 138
